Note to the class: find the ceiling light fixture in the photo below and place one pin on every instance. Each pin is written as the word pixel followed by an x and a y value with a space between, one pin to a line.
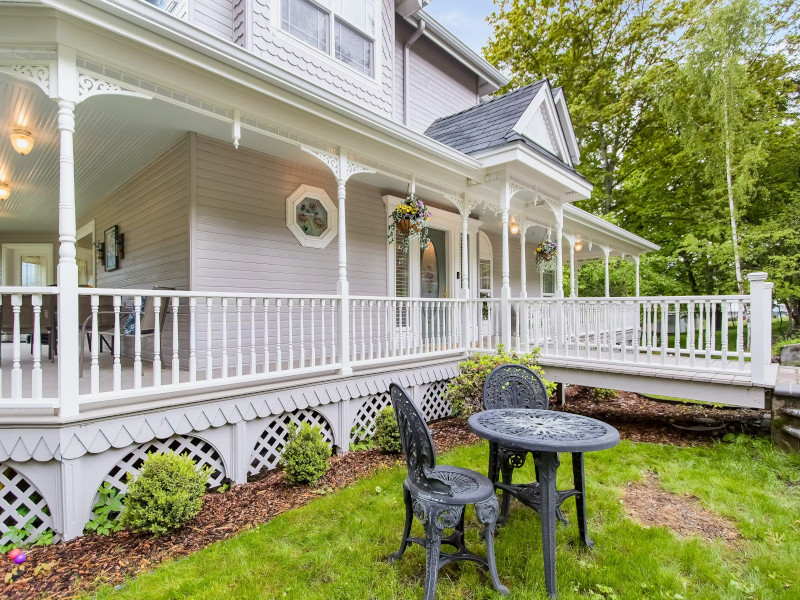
pixel 22 141
pixel 578 246
pixel 5 191
pixel 513 226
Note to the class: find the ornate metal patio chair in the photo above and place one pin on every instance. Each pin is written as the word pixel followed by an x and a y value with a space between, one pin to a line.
pixel 437 495
pixel 517 386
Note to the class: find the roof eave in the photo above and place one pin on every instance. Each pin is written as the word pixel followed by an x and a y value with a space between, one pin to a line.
pixel 591 220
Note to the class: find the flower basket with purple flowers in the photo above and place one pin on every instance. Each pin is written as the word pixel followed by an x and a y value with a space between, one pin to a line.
pixel 546 254
pixel 410 218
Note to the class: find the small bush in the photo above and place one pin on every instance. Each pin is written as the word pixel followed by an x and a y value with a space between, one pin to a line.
pixel 604 393
pixel 465 390
pixel 305 457
pixel 167 493
pixel 387 435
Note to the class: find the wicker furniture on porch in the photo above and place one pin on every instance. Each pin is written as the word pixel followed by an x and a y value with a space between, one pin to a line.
pixel 438 495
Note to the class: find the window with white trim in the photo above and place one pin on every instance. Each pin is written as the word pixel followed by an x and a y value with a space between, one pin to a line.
pixel 350 23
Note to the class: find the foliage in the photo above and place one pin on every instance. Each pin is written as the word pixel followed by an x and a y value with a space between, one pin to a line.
pixel 413 210
pixel 23 536
pixel 106 510
pixel 335 532
pixel 387 434
pixel 604 393
pixel 305 457
pixel 465 390
pixel 166 494
pixel 361 439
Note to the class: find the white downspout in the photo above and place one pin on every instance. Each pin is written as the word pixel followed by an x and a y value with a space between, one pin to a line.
pixel 407 67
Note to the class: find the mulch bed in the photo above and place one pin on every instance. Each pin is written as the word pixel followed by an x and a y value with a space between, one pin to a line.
pixel 641 419
pixel 650 505
pixel 87 562
pixel 92 560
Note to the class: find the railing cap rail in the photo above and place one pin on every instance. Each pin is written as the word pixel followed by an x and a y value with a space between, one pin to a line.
pixel 195 294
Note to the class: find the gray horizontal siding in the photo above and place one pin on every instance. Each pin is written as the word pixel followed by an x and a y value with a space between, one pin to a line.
pixel 215 16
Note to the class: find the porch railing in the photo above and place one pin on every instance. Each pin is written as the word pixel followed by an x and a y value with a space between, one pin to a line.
pixel 137 341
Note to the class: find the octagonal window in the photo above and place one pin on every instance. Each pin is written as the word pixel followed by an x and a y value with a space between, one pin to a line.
pixel 311 216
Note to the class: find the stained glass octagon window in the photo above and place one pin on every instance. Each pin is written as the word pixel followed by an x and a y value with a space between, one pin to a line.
pixel 311 216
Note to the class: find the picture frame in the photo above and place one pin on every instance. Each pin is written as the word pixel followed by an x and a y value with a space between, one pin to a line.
pixel 110 242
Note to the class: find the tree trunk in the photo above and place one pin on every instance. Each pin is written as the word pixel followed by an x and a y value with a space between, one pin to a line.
pixel 731 205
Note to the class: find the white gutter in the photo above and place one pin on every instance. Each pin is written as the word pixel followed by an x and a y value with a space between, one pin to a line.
pixel 407 67
pixel 600 224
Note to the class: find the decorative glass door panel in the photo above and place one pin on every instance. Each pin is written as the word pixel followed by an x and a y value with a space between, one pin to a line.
pixel 433 266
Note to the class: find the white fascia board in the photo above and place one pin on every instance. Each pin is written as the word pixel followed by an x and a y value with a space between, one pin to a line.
pixel 544 98
pixel 442 37
pixel 151 26
pixel 566 126
pixel 519 153
pixel 589 220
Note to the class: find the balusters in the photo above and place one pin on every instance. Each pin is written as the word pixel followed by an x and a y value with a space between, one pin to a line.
pixel 710 318
pixel 156 341
pixel 302 304
pixel 289 340
pixel 323 349
pixel 690 332
pixel 278 355
pixel 333 329
pixel 192 340
pixel 36 347
pixel 266 335
pixel 209 341
pixel 94 302
pixel 677 343
pixel 664 332
pixel 353 338
pixel 371 341
pixel 253 336
pixel 137 343
pixel 740 333
pixel 117 368
pixel 239 359
pixel 363 339
pixel 313 334
pixel 724 334
pixel 225 372
pixel 176 363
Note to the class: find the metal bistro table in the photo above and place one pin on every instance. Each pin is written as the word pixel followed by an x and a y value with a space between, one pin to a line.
pixel 545 433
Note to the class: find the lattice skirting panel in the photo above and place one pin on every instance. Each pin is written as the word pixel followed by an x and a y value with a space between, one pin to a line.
pixel 363 426
pixel 200 451
pixel 433 405
pixel 24 514
pixel 269 447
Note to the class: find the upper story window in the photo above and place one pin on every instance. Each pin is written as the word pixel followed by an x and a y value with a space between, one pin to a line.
pixel 350 23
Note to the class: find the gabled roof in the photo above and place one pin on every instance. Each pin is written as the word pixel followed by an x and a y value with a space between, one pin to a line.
pixel 527 115
pixel 485 125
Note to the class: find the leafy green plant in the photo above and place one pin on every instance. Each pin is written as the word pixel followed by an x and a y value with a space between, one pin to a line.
pixel 167 493
pixel 223 488
pixel 361 439
pixel 106 510
pixel 465 390
pixel 387 434
pixel 604 393
pixel 305 457
pixel 19 536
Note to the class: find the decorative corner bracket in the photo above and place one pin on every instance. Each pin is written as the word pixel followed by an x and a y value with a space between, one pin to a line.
pixel 341 167
pixel 38 74
pixel 89 86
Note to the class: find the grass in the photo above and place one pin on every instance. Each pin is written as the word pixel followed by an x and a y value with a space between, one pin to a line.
pixel 337 546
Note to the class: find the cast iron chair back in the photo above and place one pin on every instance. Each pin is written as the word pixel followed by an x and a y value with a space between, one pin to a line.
pixel 514 386
pixel 416 441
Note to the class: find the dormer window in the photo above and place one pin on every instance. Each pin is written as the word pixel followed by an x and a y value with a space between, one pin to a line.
pixel 350 23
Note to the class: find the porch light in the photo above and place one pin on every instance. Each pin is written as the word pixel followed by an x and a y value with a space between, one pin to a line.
pixel 22 141
pixel 578 246
pixel 5 191
pixel 513 226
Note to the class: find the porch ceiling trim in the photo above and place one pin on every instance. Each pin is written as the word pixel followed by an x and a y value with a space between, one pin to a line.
pixel 156 29
pixel 588 220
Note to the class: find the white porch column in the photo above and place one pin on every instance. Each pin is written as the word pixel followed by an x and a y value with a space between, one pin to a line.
pixel 760 326
pixel 524 319
pixel 523 275
pixel 466 309
pixel 559 259
pixel 636 263
pixel 343 286
pixel 606 252
pixel 573 286
pixel 67 272
pixel 505 304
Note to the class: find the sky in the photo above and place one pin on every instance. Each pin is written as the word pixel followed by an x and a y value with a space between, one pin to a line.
pixel 465 18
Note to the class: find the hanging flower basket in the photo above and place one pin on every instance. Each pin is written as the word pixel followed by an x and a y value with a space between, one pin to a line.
pixel 546 256
pixel 410 218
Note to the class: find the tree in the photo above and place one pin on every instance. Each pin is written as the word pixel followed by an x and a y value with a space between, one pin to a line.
pixel 602 52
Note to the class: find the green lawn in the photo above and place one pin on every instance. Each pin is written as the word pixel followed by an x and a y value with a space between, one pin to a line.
pixel 337 546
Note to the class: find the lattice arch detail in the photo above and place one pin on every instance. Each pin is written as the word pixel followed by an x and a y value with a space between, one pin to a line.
pixel 434 406
pixel 269 446
pixel 200 451
pixel 24 514
pixel 363 426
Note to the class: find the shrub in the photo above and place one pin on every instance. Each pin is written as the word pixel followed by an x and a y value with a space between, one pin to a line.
pixel 305 457
pixel 604 393
pixel 387 435
pixel 465 390
pixel 167 493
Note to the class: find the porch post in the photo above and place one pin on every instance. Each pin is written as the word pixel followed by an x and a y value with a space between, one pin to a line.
pixel 573 284
pixel 465 313
pixel 760 326
pixel 636 263
pixel 606 252
pixel 505 292
pixel 343 286
pixel 67 271
pixel 523 317
pixel 559 257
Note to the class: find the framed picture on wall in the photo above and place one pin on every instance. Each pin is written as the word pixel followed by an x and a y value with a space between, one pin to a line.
pixel 110 236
